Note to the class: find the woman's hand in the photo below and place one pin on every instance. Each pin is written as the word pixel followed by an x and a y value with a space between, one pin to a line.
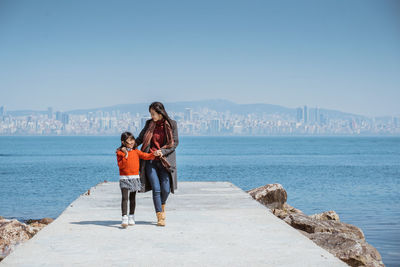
pixel 158 153
pixel 125 151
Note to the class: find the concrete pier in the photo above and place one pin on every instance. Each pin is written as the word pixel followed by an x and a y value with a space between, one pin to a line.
pixel 208 224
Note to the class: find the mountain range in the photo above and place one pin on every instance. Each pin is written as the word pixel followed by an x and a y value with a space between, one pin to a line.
pixel 219 105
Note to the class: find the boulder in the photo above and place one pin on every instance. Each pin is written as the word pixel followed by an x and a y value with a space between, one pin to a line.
pixel 353 252
pixel 46 221
pixel 12 233
pixel 285 211
pixel 326 216
pixel 273 196
pixel 311 225
pixel 345 241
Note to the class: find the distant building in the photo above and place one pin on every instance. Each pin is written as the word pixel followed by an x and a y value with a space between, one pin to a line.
pixel 215 126
pixel 395 122
pixel 65 118
pixel 237 129
pixel 50 112
pixel 58 116
pixel 195 116
pixel 305 115
pixel 322 119
pixel 2 110
pixel 316 115
pixel 299 114
pixel 188 114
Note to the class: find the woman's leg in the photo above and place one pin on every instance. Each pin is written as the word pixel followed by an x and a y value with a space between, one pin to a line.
pixel 163 176
pixel 151 173
pixel 124 201
pixel 132 203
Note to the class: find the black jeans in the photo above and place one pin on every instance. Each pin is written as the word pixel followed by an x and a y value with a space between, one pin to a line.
pixel 124 201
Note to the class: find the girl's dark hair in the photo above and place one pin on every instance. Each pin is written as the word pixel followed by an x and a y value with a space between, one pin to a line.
pixel 125 136
pixel 159 108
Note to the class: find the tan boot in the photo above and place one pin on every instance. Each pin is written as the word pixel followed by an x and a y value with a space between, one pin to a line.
pixel 163 211
pixel 160 220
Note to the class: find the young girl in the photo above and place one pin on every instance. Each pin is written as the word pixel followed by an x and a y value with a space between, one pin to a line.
pixel 128 162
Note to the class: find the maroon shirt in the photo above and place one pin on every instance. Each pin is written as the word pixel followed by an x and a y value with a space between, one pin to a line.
pixel 158 139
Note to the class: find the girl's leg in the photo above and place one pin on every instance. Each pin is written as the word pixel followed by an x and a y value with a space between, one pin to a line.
pixel 124 201
pixel 163 176
pixel 132 203
pixel 151 173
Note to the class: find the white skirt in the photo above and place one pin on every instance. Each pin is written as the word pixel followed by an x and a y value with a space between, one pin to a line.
pixel 130 182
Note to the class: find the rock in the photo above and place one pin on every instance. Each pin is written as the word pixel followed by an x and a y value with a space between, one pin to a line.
pixel 353 252
pixel 345 241
pixel 12 233
pixel 285 211
pixel 326 216
pixel 37 226
pixel 273 196
pixel 30 221
pixel 46 221
pixel 310 225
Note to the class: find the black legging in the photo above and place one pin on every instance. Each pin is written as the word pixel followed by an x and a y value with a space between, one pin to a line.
pixel 124 201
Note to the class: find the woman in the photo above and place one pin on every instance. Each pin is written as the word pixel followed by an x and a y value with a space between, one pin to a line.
pixel 160 137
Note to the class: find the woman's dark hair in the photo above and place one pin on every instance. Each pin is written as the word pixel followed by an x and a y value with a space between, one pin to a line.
pixel 125 136
pixel 159 108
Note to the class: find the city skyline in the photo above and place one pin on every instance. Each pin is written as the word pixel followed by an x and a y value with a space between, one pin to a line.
pixel 214 119
pixel 342 55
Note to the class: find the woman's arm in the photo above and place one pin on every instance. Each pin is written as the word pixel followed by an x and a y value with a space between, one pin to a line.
pixel 166 151
pixel 139 139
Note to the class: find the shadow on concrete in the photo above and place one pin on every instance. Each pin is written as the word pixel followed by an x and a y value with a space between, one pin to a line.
pixel 115 224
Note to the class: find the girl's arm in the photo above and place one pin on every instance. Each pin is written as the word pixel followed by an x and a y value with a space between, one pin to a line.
pixel 166 151
pixel 144 155
pixel 121 159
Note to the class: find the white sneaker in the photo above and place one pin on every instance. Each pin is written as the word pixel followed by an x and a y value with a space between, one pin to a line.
pixel 131 219
pixel 124 221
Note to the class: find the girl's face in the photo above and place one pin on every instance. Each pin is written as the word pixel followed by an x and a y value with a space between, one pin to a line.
pixel 130 143
pixel 155 116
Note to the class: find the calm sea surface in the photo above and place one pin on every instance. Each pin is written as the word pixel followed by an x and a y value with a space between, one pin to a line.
pixel 358 177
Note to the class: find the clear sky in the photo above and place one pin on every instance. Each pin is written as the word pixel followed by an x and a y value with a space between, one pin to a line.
pixel 339 54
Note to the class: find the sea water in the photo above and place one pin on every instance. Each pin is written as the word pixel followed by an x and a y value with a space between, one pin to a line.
pixel 358 177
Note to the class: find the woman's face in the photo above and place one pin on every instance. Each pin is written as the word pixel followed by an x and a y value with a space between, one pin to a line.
pixel 155 116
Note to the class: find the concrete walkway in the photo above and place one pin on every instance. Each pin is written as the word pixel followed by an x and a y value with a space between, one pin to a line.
pixel 208 224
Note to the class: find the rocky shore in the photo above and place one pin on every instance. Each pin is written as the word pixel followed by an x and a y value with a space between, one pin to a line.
pixel 14 232
pixel 345 241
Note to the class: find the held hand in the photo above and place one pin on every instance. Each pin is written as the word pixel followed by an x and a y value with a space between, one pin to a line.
pixel 159 153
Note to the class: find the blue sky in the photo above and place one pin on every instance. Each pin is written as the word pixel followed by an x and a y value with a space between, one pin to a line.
pixel 342 54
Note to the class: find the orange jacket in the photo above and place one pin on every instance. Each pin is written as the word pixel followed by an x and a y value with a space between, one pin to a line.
pixel 130 165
